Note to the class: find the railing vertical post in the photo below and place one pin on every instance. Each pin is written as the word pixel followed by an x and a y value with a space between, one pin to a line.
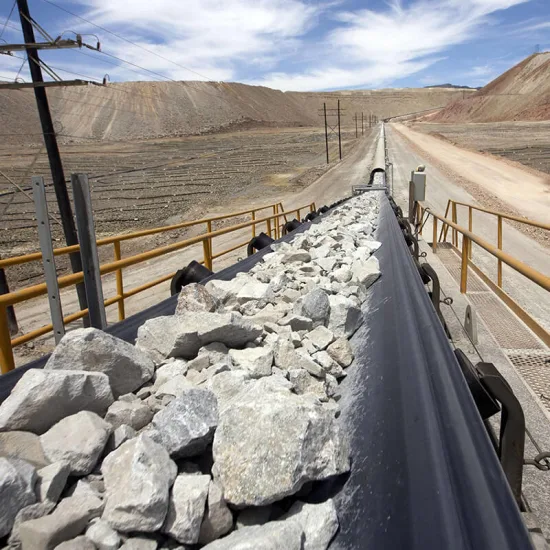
pixel 48 260
pixel 253 225
pixel 298 213
pixel 455 220
pixel 268 227
pixel 209 229
pixel 470 228
pixel 207 254
pixel 7 362
pixel 275 212
pixel 499 245
pixel 88 250
pixel 4 289
pixel 443 226
pixel 119 283
pixel 464 266
pixel 434 243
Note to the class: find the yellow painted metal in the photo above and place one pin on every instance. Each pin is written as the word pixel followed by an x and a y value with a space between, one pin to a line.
pixel 6 344
pixel 253 227
pixel 445 228
pixel 455 220
pixel 464 265
pixel 119 283
pixel 499 245
pixel 434 243
pixel 470 226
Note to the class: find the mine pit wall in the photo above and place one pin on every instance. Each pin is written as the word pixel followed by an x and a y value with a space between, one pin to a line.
pixel 424 473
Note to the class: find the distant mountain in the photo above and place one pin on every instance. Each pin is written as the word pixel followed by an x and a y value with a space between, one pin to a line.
pixel 451 86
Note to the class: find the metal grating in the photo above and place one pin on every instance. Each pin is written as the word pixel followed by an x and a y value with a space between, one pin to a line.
pixel 506 328
pixel 452 263
pixel 535 369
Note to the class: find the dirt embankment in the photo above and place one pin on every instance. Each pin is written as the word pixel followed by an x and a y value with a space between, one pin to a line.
pixel 143 110
pixel 522 93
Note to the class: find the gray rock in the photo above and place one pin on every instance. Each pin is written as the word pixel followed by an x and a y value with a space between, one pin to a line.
pixel 320 337
pixel 319 522
pixel 103 535
pixel 23 445
pixel 119 436
pixel 345 316
pixel 195 297
pixel 275 535
pixel 252 290
pixel 52 480
pixel 17 481
pixel 304 383
pixel 165 373
pixel 174 336
pixel 90 349
pixel 297 322
pixel 67 521
pixel 33 511
pixel 296 256
pixel 331 385
pixel 258 515
pixel 304 361
pixel 231 329
pixel 139 543
pixel 78 543
pixel 135 414
pixel 218 519
pixel 257 361
pixel 226 385
pixel 365 272
pixel 282 441
pixel 200 363
pixel 314 305
pixel 78 439
pixel 216 352
pixel 186 426
pixel 186 508
pixel 42 398
pixel 340 350
pixel 138 476
pixel 226 291
pixel 330 366
pixel 176 386
pixel 268 314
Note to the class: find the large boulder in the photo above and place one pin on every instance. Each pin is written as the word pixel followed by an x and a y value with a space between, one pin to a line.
pixel 78 439
pixel 17 480
pixel 186 508
pixel 138 476
pixel 90 349
pixel 67 521
pixel 275 535
pixel 41 398
pixel 185 427
pixel 270 442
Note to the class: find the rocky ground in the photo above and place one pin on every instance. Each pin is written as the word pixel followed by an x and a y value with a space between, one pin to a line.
pixel 214 429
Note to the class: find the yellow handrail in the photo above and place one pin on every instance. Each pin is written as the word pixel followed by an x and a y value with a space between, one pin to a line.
pixel 7 362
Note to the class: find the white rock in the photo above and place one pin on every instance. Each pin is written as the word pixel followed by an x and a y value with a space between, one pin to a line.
pixel 226 291
pixel 296 256
pixel 103 535
pixel 195 297
pixel 268 314
pixel 200 362
pixel 342 275
pixel 139 543
pixel 216 352
pixel 78 439
pixel 226 385
pixel 275 535
pixel 138 476
pixel 119 436
pixel 304 361
pixel 330 366
pixel 257 361
pixel 33 511
pixel 230 329
pixel 52 480
pixel 319 522
pixel 314 305
pixel 320 337
pixel 366 272
pixel 296 322
pixel 331 385
pixel 304 383
pixel 78 543
pixel 176 386
pixel 67 521
pixel 252 290
pixel 186 426
pixel 186 508
pixel 281 440
pixel 17 481
pixel 218 519
pixel 42 398
pixel 345 316
pixel 23 445
pixel 135 414
pixel 340 350
pixel 90 349
pixel 327 264
pixel 166 372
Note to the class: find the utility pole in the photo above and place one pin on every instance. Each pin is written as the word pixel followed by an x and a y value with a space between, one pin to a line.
pixel 50 140
pixel 339 132
pixel 362 127
pixel 326 130
pixel 356 134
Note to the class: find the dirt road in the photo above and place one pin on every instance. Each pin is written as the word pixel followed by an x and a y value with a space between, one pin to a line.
pixel 523 191
pixel 335 184
pixel 441 187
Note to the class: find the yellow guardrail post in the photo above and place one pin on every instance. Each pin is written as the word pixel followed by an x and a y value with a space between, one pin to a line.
pixel 455 220
pixel 499 246
pixel 275 212
pixel 207 247
pixel 119 283
pixel 7 362
pixel 464 265
pixel 434 243
pixel 445 228
pixel 268 226
pixel 253 225
pixel 470 226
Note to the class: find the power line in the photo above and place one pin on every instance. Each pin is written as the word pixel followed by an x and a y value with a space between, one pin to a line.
pixel 134 65
pixel 8 19
pixel 126 40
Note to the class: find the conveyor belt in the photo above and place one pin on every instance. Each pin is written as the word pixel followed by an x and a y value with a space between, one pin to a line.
pixel 424 475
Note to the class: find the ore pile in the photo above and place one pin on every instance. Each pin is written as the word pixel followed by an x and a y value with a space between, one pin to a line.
pixel 212 431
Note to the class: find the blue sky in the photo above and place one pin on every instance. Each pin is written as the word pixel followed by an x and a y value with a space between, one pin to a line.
pixel 292 44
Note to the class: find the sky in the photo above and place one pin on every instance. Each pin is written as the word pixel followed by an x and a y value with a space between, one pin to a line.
pixel 300 45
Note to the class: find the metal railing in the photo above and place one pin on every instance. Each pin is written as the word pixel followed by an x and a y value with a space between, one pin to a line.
pixel 274 222
pixel 468 237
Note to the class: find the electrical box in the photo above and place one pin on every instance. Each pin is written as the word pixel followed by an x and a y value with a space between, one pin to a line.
pixel 418 186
